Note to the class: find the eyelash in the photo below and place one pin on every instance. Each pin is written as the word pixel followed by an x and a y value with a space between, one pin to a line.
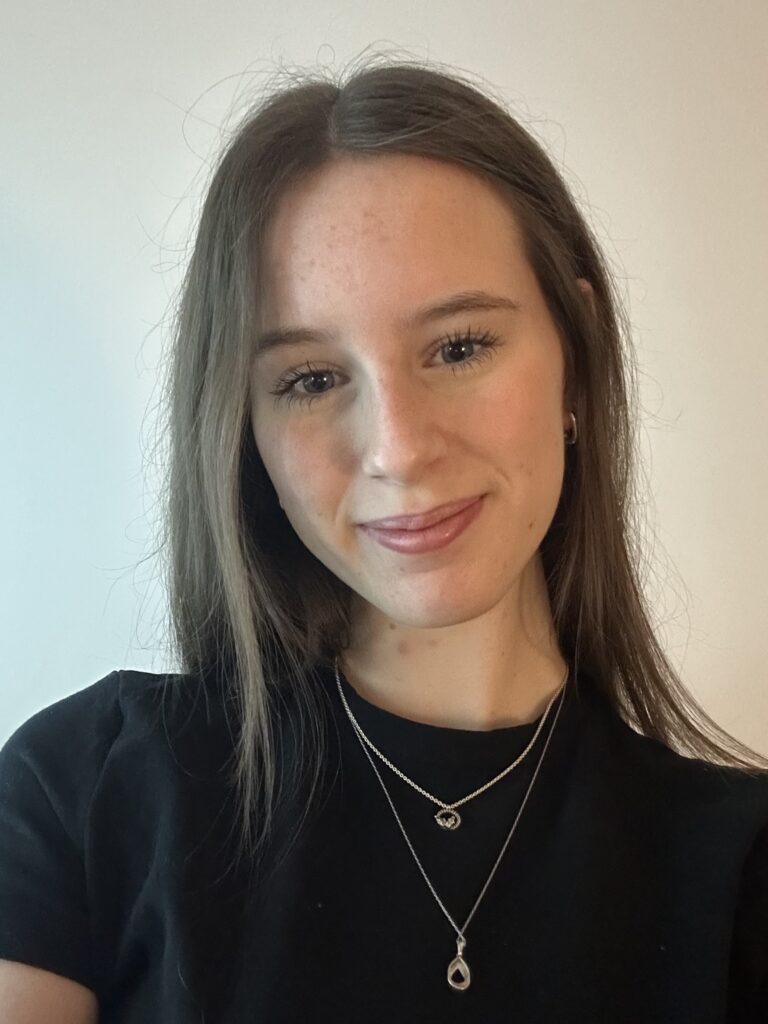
pixel 284 389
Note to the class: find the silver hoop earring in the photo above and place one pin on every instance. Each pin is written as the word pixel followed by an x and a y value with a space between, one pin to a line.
pixel 571 435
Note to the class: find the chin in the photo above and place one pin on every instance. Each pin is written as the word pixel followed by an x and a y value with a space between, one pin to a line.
pixel 427 608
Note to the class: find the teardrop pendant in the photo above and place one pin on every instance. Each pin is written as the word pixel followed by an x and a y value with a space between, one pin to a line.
pixel 460 967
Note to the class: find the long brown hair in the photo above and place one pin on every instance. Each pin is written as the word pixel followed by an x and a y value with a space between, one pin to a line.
pixel 252 609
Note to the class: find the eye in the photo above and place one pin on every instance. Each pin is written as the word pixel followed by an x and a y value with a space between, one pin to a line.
pixel 308 375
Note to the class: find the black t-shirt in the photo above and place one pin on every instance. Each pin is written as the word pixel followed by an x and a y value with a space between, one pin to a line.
pixel 634 888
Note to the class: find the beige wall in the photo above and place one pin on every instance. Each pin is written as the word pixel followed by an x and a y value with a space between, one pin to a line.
pixel 656 109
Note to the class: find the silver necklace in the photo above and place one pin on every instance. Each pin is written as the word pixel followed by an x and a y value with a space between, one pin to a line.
pixel 448 817
pixel 458 974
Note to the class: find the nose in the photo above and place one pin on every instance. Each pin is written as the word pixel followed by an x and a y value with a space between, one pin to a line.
pixel 402 429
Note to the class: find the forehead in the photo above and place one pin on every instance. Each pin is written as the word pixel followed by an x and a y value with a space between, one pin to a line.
pixel 394 228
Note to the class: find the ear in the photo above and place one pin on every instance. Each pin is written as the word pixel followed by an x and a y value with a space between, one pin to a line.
pixel 588 290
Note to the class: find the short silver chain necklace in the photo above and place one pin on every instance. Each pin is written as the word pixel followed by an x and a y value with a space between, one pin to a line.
pixel 458 974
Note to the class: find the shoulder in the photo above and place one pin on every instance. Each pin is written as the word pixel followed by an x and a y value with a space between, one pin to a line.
pixel 62 750
pixel 64 741
pixel 67 775
pixel 92 717
pixel 650 776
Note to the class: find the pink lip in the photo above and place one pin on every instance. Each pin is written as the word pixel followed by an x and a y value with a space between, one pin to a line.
pixel 419 522
pixel 431 538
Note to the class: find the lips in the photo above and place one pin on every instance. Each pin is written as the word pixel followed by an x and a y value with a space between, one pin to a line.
pixel 430 538
pixel 424 519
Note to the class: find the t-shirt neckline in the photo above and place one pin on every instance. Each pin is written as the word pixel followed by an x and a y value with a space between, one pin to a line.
pixel 405 740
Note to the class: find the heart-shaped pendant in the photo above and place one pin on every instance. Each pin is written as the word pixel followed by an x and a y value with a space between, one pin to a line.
pixel 448 818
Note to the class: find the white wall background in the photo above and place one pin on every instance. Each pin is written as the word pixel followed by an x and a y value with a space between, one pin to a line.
pixel 108 112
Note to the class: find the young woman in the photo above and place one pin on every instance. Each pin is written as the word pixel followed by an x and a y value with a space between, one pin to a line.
pixel 426 760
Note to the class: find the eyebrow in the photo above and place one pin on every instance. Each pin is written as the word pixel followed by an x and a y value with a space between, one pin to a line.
pixel 462 302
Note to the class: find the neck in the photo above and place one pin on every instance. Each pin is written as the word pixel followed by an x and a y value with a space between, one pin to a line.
pixel 496 670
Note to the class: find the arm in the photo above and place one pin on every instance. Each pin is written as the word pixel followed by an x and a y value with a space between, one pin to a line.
pixel 48 771
pixel 30 995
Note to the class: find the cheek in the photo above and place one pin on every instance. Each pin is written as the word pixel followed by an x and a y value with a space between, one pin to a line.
pixel 524 431
pixel 301 472
pixel 524 416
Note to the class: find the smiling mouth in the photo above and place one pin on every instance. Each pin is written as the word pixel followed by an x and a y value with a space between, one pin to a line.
pixel 428 539
pixel 422 520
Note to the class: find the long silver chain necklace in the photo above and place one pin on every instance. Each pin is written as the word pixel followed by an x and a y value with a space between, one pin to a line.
pixel 458 974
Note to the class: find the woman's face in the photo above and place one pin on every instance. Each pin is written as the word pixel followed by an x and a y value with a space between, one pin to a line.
pixel 393 416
